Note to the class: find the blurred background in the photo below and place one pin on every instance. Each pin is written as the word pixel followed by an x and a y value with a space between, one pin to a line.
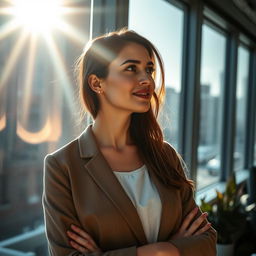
pixel 209 53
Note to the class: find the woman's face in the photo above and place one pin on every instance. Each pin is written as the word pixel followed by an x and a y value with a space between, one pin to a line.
pixel 129 85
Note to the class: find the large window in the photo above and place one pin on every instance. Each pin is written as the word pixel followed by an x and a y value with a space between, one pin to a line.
pixel 164 28
pixel 241 104
pixel 212 83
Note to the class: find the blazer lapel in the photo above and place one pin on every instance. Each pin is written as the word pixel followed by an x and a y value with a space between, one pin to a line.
pixel 167 222
pixel 102 174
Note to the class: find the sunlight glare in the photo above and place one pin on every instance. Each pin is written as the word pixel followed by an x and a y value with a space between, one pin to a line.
pixel 37 15
pixel 61 71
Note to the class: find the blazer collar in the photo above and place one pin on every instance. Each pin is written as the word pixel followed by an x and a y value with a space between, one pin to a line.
pixel 87 143
pixel 101 172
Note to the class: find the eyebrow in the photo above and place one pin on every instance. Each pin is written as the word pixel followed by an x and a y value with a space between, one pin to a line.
pixel 137 62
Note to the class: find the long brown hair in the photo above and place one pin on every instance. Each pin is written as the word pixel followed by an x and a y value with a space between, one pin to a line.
pixel 144 128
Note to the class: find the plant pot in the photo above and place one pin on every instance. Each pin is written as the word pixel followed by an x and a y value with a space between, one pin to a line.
pixel 225 249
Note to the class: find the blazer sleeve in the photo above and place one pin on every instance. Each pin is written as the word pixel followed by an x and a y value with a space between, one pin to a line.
pixel 198 245
pixel 60 213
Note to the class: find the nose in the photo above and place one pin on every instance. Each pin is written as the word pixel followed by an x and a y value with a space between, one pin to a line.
pixel 144 79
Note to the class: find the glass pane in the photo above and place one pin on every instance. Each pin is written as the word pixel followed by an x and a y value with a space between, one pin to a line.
pixel 161 28
pixel 37 105
pixel 212 82
pixel 241 101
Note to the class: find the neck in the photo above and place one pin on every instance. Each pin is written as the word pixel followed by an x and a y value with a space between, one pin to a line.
pixel 112 130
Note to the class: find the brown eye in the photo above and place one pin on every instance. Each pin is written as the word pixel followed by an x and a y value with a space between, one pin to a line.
pixel 131 68
pixel 150 70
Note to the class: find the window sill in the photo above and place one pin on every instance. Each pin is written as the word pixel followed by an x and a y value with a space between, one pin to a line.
pixel 209 192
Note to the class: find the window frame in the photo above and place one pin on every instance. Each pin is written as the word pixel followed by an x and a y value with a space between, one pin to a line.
pixel 247 144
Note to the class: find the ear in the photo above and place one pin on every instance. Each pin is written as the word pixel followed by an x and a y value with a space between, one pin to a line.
pixel 95 83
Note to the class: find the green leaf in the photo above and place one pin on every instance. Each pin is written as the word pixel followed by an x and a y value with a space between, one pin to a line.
pixel 205 207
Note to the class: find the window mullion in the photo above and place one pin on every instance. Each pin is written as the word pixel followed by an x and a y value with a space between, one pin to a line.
pixel 229 115
pixel 191 97
pixel 251 112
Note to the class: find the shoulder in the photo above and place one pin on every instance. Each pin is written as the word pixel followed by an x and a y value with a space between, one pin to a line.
pixel 64 154
pixel 176 157
pixel 171 151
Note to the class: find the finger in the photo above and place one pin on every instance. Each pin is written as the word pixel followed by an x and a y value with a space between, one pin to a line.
pixel 83 234
pixel 188 219
pixel 78 239
pixel 81 241
pixel 203 229
pixel 196 224
pixel 78 247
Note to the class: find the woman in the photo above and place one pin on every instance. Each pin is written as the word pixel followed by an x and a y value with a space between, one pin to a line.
pixel 119 188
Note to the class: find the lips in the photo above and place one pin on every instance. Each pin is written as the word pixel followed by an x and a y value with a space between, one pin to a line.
pixel 144 92
pixel 143 96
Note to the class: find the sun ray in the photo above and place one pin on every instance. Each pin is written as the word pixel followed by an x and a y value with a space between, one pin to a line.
pixel 26 100
pixel 15 52
pixel 8 28
pixel 60 70
pixel 71 32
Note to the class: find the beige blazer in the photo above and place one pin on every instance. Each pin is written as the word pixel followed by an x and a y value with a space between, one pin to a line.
pixel 81 188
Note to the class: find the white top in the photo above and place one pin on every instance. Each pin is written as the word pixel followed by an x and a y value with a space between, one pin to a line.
pixel 145 198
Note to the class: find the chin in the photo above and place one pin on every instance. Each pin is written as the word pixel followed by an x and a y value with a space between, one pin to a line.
pixel 142 110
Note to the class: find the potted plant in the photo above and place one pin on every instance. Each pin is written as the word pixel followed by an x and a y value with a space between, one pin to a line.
pixel 227 215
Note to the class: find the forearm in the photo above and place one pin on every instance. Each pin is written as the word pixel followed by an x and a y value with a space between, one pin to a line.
pixel 158 249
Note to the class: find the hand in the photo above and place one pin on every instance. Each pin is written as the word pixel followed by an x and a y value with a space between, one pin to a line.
pixel 81 240
pixel 186 229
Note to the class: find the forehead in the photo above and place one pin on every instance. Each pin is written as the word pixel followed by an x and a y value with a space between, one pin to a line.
pixel 133 51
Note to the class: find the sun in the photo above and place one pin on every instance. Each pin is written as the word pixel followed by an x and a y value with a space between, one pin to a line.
pixel 37 16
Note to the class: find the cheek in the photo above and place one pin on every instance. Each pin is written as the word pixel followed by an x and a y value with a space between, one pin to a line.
pixel 121 84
